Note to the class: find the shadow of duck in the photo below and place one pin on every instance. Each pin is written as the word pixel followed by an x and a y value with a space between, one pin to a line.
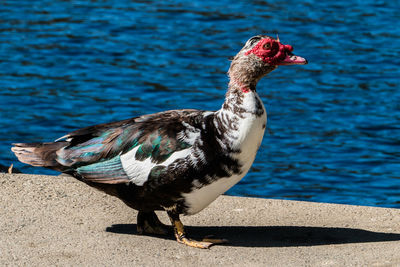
pixel 275 236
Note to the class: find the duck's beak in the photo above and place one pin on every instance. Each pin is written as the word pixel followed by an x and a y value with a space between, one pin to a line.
pixel 291 59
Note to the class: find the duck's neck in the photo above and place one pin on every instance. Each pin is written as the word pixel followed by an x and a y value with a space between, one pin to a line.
pixel 241 101
pixel 241 112
pixel 244 75
pixel 241 98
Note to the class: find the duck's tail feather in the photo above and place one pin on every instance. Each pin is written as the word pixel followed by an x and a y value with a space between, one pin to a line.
pixel 39 154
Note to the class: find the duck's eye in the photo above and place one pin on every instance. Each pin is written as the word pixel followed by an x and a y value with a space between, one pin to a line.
pixel 267 46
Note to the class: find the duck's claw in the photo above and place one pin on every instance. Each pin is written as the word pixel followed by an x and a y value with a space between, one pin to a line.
pixel 194 243
pixel 181 236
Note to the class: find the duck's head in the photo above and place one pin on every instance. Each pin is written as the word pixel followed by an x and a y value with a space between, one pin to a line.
pixel 260 55
pixel 271 51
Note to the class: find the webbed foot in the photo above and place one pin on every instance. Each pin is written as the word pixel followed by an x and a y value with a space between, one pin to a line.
pixel 181 235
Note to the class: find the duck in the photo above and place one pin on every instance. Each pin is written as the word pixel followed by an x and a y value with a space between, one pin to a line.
pixel 178 161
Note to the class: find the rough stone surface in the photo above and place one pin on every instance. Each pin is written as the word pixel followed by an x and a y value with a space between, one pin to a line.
pixel 47 220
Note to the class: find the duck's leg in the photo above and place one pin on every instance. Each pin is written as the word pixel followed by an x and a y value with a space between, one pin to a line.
pixel 181 235
pixel 148 222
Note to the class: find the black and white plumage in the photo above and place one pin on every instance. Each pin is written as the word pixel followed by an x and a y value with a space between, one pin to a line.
pixel 179 160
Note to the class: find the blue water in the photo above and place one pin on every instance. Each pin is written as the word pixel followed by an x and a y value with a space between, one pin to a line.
pixel 333 132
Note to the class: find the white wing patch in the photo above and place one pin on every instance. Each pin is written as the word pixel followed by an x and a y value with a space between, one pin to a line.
pixel 138 171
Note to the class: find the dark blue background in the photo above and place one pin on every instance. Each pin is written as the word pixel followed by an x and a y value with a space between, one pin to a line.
pixel 333 125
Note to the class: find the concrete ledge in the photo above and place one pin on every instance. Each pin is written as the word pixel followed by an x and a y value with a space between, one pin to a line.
pixel 47 220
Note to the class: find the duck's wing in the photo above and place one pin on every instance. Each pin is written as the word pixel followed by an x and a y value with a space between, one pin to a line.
pixel 127 151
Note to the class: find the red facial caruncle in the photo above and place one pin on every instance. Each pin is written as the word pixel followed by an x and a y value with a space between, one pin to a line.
pixel 274 52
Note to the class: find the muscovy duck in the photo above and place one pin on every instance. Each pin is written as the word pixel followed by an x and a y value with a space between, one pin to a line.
pixel 178 160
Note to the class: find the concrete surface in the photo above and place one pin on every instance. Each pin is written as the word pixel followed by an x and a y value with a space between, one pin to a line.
pixel 46 220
